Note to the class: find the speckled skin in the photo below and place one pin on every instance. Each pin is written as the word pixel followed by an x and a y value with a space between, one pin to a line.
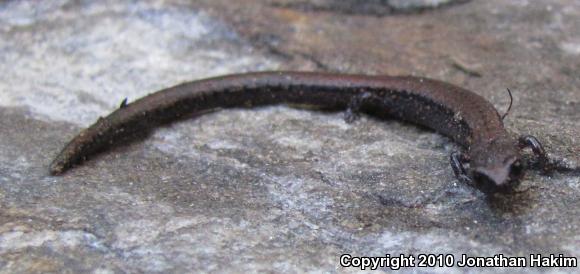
pixel 462 115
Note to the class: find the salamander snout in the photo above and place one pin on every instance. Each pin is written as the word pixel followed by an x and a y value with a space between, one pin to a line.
pixel 499 178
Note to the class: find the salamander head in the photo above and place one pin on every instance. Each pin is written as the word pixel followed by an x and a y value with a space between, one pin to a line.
pixel 497 166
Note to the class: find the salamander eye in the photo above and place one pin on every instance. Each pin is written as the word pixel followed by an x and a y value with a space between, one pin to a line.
pixel 516 170
pixel 484 183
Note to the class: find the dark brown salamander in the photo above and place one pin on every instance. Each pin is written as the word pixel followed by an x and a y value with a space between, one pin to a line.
pixel 493 162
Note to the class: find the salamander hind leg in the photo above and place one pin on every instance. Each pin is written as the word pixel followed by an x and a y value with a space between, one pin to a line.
pixel 353 109
pixel 458 162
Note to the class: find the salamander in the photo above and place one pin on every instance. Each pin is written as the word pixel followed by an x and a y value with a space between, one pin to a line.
pixel 491 160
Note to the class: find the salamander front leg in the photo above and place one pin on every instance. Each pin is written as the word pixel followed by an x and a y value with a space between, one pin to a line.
pixel 352 112
pixel 529 141
pixel 458 163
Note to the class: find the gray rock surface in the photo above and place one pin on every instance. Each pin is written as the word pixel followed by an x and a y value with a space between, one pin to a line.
pixel 275 189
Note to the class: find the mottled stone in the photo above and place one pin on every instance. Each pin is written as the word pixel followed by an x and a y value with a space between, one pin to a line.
pixel 275 189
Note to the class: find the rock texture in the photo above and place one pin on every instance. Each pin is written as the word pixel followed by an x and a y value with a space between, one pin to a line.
pixel 275 189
